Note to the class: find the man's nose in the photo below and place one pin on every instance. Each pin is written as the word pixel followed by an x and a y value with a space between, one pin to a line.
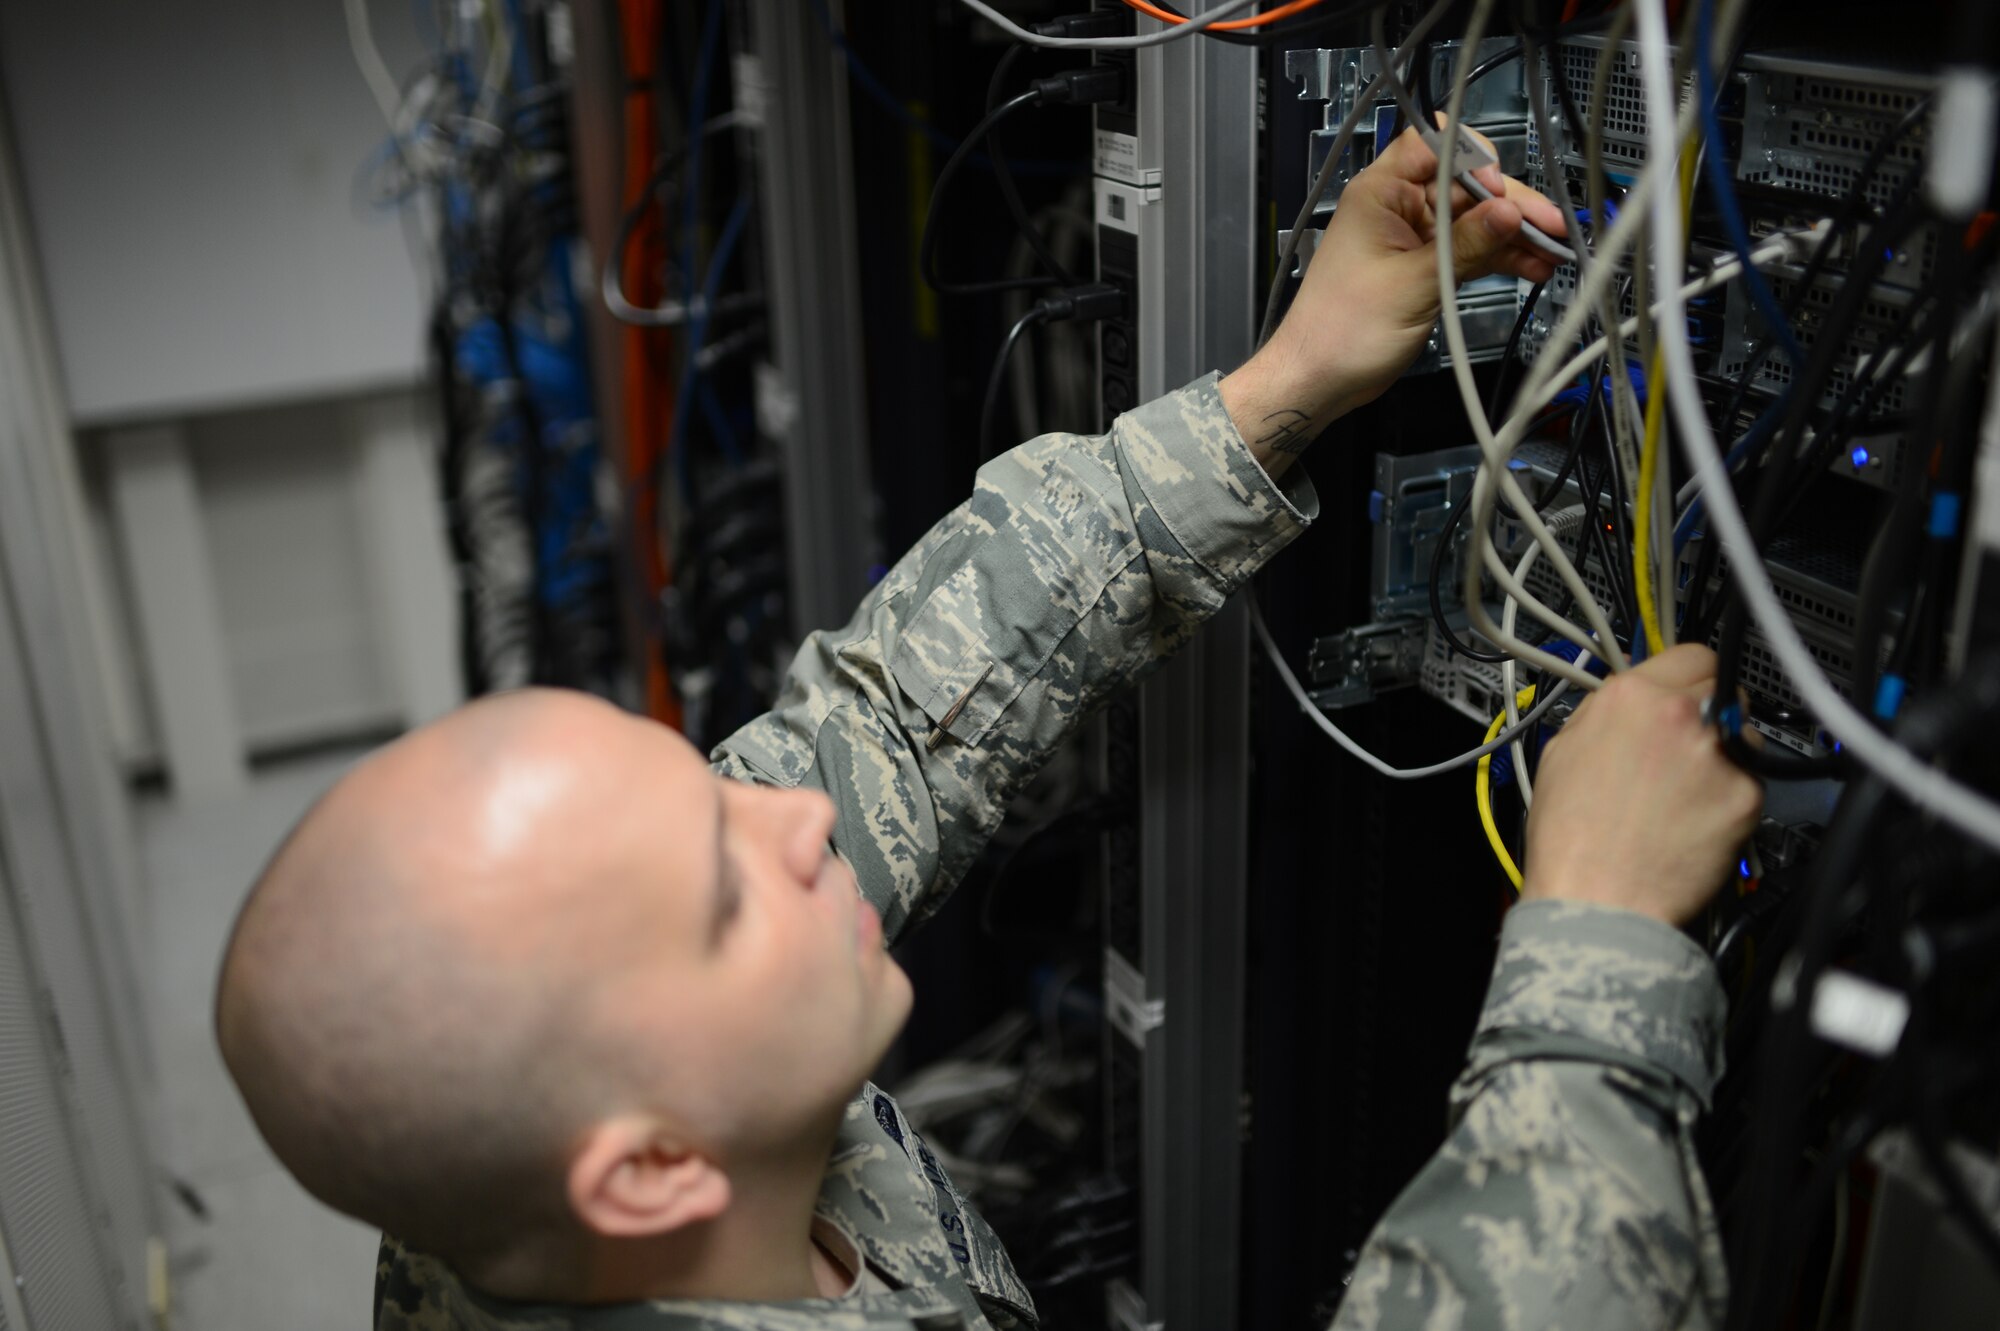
pixel 807 819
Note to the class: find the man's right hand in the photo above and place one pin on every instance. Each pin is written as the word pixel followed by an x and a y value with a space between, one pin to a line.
pixel 1370 296
pixel 1636 804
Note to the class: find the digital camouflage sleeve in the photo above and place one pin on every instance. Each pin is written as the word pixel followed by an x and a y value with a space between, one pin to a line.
pixel 1567 1197
pixel 1079 564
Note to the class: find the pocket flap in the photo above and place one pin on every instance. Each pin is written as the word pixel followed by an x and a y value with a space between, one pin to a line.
pixel 947 660
pixel 1002 601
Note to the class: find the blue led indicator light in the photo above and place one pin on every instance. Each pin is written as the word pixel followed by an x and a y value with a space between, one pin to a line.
pixel 1859 457
pixel 1944 515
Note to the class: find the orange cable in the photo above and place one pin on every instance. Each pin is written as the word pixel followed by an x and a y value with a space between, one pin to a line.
pixel 648 386
pixel 1229 25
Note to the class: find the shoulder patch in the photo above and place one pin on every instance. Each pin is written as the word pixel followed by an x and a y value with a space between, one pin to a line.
pixel 885 1114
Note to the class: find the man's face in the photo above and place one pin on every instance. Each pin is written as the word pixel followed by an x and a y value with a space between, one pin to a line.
pixel 752 964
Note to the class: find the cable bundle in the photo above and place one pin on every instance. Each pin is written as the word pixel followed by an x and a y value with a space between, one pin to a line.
pixel 478 148
pixel 1892 900
pixel 703 487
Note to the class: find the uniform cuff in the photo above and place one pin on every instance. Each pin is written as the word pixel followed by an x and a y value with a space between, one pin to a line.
pixel 1575 980
pixel 1196 471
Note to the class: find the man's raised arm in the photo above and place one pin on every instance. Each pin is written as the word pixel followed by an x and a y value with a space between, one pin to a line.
pixel 1081 562
pixel 1078 564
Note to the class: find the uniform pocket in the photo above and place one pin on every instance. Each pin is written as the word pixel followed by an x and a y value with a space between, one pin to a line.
pixel 998 601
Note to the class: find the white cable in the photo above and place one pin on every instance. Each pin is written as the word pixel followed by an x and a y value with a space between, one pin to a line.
pixel 1353 747
pixel 1494 478
pixel 1724 272
pixel 669 313
pixel 1195 23
pixel 1399 90
pixel 1608 251
pixel 1925 786
pixel 1540 385
pixel 499 55
pixel 374 69
pixel 1509 686
pixel 1542 382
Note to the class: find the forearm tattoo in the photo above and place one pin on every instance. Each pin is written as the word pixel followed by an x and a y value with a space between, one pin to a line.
pixel 1289 431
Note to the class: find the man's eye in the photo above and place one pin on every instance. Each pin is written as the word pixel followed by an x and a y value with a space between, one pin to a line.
pixel 731 904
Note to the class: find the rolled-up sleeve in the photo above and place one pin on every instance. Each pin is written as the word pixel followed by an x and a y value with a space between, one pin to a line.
pixel 1567 1194
pixel 1079 563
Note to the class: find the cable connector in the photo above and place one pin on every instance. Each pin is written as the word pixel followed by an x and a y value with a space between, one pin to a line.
pixel 1092 301
pixel 1469 152
pixel 1097 23
pixel 1094 86
pixel 1800 246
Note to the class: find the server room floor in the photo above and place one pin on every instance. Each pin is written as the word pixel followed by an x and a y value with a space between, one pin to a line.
pixel 267 1255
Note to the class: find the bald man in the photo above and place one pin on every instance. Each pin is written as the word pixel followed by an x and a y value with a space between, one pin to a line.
pixel 584 1020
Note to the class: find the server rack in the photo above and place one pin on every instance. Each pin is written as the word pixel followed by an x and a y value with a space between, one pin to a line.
pixel 1175 205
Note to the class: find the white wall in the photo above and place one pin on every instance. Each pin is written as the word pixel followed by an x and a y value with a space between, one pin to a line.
pixel 324 545
pixel 256 500
pixel 285 539
pixel 220 293
pixel 190 169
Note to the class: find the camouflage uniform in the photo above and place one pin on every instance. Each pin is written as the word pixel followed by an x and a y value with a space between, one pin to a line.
pixel 1567 1197
pixel 1077 566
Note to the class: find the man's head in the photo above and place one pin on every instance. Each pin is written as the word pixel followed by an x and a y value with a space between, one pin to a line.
pixel 534 974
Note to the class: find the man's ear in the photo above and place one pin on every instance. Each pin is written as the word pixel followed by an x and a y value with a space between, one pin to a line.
pixel 633 1178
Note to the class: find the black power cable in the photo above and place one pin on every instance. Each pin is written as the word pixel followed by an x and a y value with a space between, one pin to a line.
pixel 1776 477
pixel 1513 351
pixel 1426 89
pixel 1096 300
pixel 1617 560
pixel 1959 717
pixel 1080 87
pixel 1003 176
pixel 927 246
pixel 1451 637
pixel 1900 544
pixel 1035 316
pixel 1704 610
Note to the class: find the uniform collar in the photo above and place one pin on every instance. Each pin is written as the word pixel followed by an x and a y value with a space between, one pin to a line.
pixel 419 1293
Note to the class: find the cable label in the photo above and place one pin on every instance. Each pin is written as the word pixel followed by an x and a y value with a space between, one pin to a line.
pixel 1115 156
